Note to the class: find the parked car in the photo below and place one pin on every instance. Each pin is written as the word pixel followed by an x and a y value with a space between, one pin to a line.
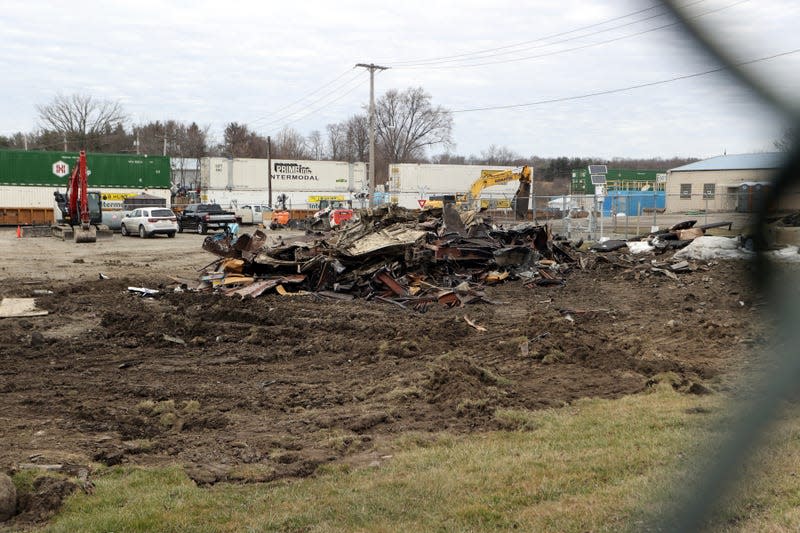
pixel 253 213
pixel 202 217
pixel 149 221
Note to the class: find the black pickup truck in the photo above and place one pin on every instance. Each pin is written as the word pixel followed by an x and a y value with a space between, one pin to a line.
pixel 203 217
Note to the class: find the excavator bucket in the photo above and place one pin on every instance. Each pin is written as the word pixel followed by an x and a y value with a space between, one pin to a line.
pixel 104 233
pixel 85 234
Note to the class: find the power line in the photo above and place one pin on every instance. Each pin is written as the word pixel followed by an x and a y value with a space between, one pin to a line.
pixel 489 52
pixel 313 111
pixel 623 89
pixel 315 91
pixel 348 87
pixel 565 50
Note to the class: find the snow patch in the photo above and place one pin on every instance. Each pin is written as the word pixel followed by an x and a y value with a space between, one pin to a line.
pixel 707 247
pixel 639 247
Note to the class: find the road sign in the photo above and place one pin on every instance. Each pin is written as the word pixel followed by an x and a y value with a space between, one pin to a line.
pixel 422 202
pixel 661 178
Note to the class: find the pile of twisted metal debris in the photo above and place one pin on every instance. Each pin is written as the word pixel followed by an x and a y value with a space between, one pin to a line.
pixel 409 258
pixel 676 237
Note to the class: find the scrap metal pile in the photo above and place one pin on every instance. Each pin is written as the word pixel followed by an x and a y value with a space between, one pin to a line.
pixel 676 237
pixel 409 258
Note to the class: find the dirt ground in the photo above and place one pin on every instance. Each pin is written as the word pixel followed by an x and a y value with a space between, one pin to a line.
pixel 256 390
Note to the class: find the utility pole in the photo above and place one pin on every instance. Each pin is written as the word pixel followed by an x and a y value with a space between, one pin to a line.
pixel 25 141
pixel 269 169
pixel 165 144
pixel 65 141
pixel 372 68
pixel 137 142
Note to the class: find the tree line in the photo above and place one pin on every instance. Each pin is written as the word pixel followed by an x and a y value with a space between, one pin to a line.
pixel 409 129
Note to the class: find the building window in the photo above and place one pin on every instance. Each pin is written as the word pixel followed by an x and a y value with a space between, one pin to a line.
pixel 686 190
pixel 708 191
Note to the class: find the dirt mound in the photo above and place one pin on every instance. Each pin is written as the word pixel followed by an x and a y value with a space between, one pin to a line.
pixel 275 386
pixel 44 500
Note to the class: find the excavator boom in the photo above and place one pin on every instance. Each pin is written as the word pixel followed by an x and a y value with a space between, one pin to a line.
pixel 76 213
pixel 491 178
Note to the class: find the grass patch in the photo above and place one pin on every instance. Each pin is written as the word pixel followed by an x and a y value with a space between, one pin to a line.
pixel 516 420
pixel 596 465
pixel 403 393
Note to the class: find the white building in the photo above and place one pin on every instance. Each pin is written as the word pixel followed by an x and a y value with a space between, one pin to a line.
pixel 733 182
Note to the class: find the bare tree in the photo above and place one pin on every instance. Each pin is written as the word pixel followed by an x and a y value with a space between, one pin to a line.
pixel 790 138
pixel 316 145
pixel 235 139
pixel 449 159
pixel 195 143
pixel 290 144
pixel 17 140
pixel 500 155
pixel 357 138
pixel 407 124
pixel 239 141
pixel 81 118
pixel 337 141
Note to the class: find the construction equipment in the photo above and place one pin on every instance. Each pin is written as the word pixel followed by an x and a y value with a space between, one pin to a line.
pixel 490 178
pixel 79 213
pixel 280 217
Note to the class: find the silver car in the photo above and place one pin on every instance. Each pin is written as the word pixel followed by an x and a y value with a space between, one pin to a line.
pixel 149 221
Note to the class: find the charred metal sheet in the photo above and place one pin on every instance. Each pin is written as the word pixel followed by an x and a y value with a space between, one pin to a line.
pixel 264 259
pixel 609 246
pixel 561 254
pixel 254 290
pixel 385 278
pixel 458 253
pixel 451 220
pixel 248 245
pixel 686 224
pixel 448 298
pixel 221 245
pixel 397 236
pixel 690 234
pixel 336 295
pixel 513 256
pixel 717 225
pixel 547 282
pixel 326 276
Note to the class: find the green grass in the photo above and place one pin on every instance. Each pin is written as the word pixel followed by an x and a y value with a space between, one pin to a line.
pixel 597 465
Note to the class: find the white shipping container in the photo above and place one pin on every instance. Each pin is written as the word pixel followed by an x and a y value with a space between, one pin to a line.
pixel 42 197
pixel 295 200
pixel 289 176
pixel 428 179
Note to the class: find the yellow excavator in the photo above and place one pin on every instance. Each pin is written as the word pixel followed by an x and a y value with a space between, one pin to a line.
pixel 490 178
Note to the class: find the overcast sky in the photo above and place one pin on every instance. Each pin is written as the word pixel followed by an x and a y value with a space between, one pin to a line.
pixel 275 63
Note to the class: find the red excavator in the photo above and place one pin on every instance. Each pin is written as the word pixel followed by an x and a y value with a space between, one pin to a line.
pixel 81 212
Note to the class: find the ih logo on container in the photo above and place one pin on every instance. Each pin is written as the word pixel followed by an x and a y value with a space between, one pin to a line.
pixel 60 169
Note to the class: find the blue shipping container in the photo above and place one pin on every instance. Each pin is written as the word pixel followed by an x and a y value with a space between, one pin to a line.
pixel 630 202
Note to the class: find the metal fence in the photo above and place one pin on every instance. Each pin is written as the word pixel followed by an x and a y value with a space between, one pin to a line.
pixel 747 432
pixel 630 214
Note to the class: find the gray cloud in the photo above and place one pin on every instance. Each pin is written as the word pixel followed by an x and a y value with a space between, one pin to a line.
pixel 215 62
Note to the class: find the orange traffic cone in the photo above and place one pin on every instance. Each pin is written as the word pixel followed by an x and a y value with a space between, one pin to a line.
pixel 19 232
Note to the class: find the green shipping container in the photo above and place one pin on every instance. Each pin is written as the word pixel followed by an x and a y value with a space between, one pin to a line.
pixel 33 168
pixel 582 181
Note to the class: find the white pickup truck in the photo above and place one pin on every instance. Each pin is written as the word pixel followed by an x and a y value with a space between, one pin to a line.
pixel 253 214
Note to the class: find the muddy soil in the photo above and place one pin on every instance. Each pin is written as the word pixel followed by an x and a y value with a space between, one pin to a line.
pixel 256 390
